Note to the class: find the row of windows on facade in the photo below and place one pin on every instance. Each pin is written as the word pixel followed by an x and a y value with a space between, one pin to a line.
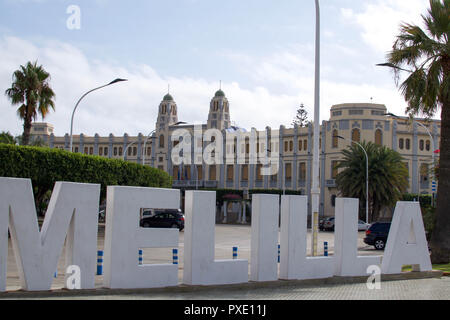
pixel 244 174
pixel 406 144
pixel 353 112
pixel 215 106
pixel 104 151
pixel 164 110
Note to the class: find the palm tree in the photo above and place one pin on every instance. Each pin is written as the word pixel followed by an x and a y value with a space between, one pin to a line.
pixel 31 90
pixel 426 90
pixel 388 176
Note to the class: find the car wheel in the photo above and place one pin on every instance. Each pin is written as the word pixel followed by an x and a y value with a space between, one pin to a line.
pixel 174 226
pixel 146 225
pixel 379 244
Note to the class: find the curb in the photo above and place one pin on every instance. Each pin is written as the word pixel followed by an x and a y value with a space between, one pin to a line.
pixel 182 288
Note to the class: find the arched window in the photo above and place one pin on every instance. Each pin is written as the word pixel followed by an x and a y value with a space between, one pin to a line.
pixel 408 144
pixel 302 171
pixel 428 145
pixel 378 137
pixel 424 171
pixel 300 145
pixel 212 173
pixel 356 135
pixel 421 145
pixel 288 171
pixel 161 141
pixel 176 173
pixel 230 172
pixel 401 143
pixel 335 139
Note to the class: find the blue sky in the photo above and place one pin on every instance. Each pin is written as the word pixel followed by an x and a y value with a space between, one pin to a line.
pixel 262 51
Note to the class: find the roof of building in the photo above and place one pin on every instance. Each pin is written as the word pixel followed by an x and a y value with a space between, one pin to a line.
pixel 168 97
pixel 220 93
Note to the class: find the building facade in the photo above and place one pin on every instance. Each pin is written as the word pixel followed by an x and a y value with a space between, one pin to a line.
pixel 416 142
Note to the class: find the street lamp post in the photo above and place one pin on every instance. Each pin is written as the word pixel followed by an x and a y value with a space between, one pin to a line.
pixel 76 106
pixel 315 191
pixel 126 149
pixel 145 144
pixel 367 174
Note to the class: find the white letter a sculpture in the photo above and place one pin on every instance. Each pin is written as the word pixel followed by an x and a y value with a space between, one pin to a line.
pixel 406 244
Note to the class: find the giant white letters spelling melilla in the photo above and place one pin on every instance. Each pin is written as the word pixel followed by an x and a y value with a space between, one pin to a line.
pixel 124 237
pixel 407 243
pixel 200 268
pixel 72 211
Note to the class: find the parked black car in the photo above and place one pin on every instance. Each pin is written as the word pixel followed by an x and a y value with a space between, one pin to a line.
pixel 377 235
pixel 327 224
pixel 162 219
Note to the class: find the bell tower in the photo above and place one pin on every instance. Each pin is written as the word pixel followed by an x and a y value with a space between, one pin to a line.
pixel 219 112
pixel 167 113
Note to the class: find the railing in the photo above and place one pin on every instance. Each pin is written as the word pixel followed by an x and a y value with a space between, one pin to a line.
pixel 211 184
pixel 187 184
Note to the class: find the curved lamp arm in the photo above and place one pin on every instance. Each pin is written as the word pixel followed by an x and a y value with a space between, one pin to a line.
pixel 82 97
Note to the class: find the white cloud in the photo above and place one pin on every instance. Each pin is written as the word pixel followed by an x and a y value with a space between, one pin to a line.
pixel 380 20
pixel 131 107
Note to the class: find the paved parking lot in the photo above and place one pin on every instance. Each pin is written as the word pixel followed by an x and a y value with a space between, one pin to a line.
pixel 227 236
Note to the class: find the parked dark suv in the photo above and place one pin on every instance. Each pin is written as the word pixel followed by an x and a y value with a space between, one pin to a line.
pixel 377 235
pixel 162 218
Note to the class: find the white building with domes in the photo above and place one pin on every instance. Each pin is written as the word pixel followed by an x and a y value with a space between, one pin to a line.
pixel 354 121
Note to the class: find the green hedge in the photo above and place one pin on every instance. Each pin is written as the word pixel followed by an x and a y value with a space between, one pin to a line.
pixel 424 199
pixel 45 166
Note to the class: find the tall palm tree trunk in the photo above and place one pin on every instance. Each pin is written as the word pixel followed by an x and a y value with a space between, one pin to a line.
pixel 26 128
pixel 440 238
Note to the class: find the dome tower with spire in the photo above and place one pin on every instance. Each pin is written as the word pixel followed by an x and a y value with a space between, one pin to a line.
pixel 167 113
pixel 219 111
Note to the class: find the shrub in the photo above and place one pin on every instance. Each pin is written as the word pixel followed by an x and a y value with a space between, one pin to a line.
pixel 424 199
pixel 46 166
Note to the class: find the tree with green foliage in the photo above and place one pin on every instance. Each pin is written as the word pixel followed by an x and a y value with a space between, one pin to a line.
pixel 301 118
pixel 388 176
pixel 7 138
pixel 32 92
pixel 45 166
pixel 426 52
